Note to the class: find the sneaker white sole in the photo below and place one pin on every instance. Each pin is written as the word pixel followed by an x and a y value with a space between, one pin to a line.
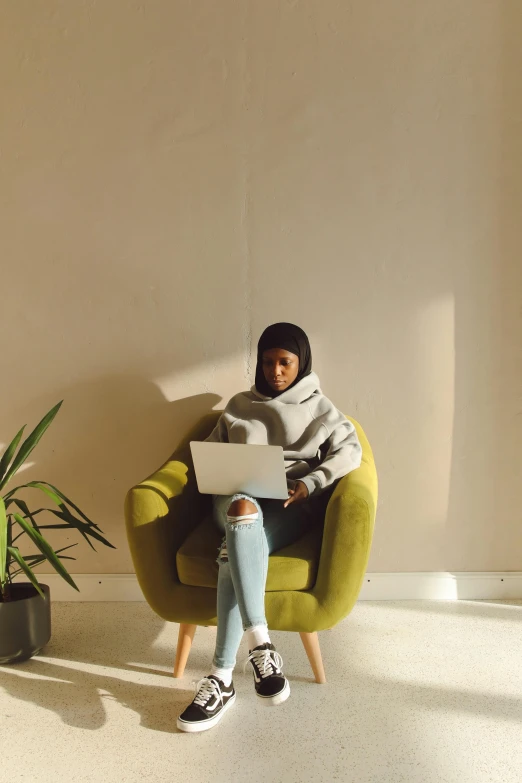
pixel 279 698
pixel 209 723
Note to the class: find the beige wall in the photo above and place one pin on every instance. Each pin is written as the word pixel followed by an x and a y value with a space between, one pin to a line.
pixel 177 175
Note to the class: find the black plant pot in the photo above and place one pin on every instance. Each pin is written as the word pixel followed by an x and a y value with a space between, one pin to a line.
pixel 25 622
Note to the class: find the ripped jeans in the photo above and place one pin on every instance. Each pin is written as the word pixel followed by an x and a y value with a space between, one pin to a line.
pixel 243 562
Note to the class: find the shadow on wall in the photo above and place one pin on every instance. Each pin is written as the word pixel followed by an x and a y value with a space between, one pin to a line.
pixel 484 499
pixel 109 434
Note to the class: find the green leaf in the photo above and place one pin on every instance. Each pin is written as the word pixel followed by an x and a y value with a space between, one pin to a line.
pixel 82 527
pixel 18 571
pixel 35 560
pixel 8 497
pixel 46 549
pixel 66 499
pixel 29 444
pixel 9 452
pixel 86 529
pixel 15 554
pixel 10 500
pixel 64 513
pixel 58 527
pixel 52 492
pixel 24 508
pixel 62 549
pixel 3 542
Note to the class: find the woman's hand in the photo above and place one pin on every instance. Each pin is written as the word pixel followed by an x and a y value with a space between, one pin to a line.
pixel 297 495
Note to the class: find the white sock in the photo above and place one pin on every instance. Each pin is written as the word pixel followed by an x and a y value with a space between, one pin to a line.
pixel 225 675
pixel 257 635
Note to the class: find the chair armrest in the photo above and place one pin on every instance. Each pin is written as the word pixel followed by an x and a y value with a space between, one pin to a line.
pixel 347 538
pixel 159 512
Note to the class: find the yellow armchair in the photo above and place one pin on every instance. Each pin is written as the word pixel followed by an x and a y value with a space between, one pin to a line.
pixel 312 584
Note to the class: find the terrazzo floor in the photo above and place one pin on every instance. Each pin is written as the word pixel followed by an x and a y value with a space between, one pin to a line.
pixel 418 691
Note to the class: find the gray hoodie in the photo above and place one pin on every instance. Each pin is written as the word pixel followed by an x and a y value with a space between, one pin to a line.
pixel 320 445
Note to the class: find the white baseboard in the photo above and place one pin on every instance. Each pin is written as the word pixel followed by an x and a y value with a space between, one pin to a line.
pixel 443 585
pixel 376 587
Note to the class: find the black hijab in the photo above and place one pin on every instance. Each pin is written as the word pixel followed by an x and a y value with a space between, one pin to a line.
pixel 290 338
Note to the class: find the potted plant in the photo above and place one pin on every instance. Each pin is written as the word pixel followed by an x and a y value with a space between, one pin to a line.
pixel 25 607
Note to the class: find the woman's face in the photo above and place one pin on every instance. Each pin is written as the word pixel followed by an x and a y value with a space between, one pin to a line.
pixel 280 368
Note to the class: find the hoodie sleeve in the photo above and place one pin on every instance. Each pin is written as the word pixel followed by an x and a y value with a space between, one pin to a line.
pixel 220 433
pixel 343 454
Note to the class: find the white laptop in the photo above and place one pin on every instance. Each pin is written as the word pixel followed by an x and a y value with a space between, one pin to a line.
pixel 227 468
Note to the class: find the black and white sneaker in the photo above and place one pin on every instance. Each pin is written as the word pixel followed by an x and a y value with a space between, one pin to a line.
pixel 270 682
pixel 213 698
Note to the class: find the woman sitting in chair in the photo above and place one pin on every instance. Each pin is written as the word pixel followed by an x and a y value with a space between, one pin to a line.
pixel 285 407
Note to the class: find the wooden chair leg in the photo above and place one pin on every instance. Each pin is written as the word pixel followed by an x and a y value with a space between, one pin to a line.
pixel 185 637
pixel 313 651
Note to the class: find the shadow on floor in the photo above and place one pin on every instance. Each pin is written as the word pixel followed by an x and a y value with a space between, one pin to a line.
pixel 103 638
pixel 92 665
pixel 80 698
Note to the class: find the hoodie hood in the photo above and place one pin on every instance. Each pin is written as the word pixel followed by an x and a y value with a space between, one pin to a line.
pixel 304 389
pixel 319 443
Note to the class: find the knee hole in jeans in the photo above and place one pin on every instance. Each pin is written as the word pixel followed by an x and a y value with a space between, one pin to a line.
pixel 239 508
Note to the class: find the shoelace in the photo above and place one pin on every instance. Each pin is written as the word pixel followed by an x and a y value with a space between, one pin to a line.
pixel 205 689
pixel 268 662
